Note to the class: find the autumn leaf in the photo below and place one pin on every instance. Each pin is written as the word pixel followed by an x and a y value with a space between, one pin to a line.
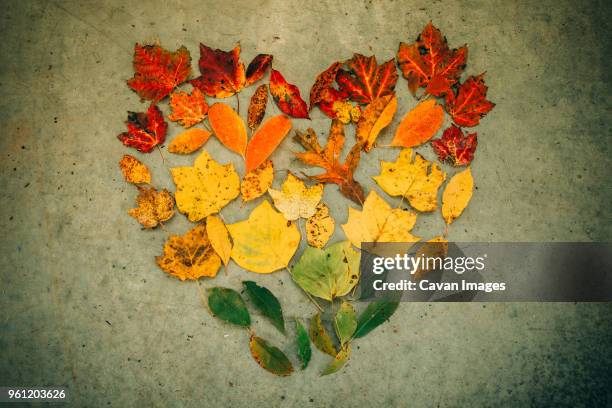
pixel 345 112
pixel 323 93
pixel 430 63
pixel 144 130
pixel 265 242
pixel 158 71
pixel 375 118
pixel 257 68
pixel 319 227
pixel 189 141
pixel 222 73
pixel 266 303
pixel 295 200
pixel 287 96
pixel 328 159
pixel 205 188
pixel 419 125
pixel 457 195
pixel 327 273
pixel 219 238
pixel 134 171
pixel 320 337
pixel 190 256
pixel 379 223
pixel 188 109
pixel 329 98
pixel 434 248
pixel 469 103
pixel 257 181
pixel 413 177
pixel 375 314
pixel 345 322
pixel 228 127
pixel 270 358
pixel 257 106
pixel 227 304
pixel 454 147
pixel 266 139
pixel 339 361
pixel 303 344
pixel 366 80
pixel 154 207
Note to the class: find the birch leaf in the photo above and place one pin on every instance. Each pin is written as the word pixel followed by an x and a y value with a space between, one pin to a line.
pixel 457 195
pixel 227 304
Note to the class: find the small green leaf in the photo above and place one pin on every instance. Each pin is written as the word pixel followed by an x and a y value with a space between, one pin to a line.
pixel 226 304
pixel 320 337
pixel 303 342
pixel 374 315
pixel 345 322
pixel 267 304
pixel 270 358
pixel 339 361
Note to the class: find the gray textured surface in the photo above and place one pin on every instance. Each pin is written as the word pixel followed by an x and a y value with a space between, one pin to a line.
pixel 84 305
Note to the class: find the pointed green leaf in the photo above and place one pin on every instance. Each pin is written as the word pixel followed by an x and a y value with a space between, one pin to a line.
pixel 227 304
pixel 319 336
pixel 270 358
pixel 374 315
pixel 339 361
pixel 328 273
pixel 267 304
pixel 303 342
pixel 345 322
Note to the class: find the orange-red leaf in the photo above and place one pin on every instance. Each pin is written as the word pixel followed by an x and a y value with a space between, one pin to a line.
pixel 257 106
pixel 454 147
pixel 158 71
pixel 469 104
pixel 266 140
pixel 287 96
pixel 188 109
pixel 319 91
pixel 257 68
pixel 189 141
pixel 228 127
pixel 144 130
pixel 222 73
pixel 419 125
pixel 366 80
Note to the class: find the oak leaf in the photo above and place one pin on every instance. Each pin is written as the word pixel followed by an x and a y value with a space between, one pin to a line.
pixel 189 141
pixel 219 238
pixel 265 140
pixel 228 127
pixel 188 109
pixel 319 227
pixel 144 130
pixel 366 80
pixel 454 147
pixel 375 117
pixel 257 106
pixel 154 207
pixel 205 188
pixel 134 171
pixel 419 125
pixel 222 73
pixel 257 181
pixel 189 256
pixel 287 96
pixel 469 103
pixel 457 195
pixel 257 68
pixel 295 200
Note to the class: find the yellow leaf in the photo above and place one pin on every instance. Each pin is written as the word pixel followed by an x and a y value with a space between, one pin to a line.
pixel 375 117
pixel 189 256
pixel 457 195
pixel 320 227
pixel 205 188
pixel 379 223
pixel 346 112
pixel 296 200
pixel 154 207
pixel 189 141
pixel 265 242
pixel 134 171
pixel 219 238
pixel 257 181
pixel 411 177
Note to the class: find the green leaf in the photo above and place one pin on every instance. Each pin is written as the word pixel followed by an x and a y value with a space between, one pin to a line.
pixel 270 358
pixel 328 273
pixel 303 342
pixel 226 304
pixel 374 315
pixel 339 361
pixel 320 337
pixel 345 322
pixel 267 304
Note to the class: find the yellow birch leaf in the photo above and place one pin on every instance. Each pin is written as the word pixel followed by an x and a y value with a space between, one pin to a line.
pixel 257 181
pixel 189 141
pixel 375 117
pixel 205 188
pixel 154 207
pixel 265 242
pixel 134 171
pixel 219 238
pixel 457 195
pixel 319 227
pixel 413 177
pixel 296 200
pixel 378 222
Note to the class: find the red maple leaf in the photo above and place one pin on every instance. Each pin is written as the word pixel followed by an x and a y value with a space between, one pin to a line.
pixel 287 96
pixel 222 73
pixel 257 68
pixel 158 71
pixel 454 147
pixel 469 103
pixel 366 80
pixel 430 63
pixel 144 130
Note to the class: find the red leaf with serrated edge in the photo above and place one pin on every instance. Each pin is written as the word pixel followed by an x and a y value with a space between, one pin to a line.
pixel 322 84
pixel 257 68
pixel 145 130
pixel 366 80
pixel 430 63
pixel 222 73
pixel 287 96
pixel 454 147
pixel 469 104
pixel 158 71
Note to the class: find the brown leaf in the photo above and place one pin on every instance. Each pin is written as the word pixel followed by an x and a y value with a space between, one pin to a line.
pixel 154 207
pixel 257 107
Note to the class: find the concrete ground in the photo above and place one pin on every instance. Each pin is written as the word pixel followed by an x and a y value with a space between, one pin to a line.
pixel 84 305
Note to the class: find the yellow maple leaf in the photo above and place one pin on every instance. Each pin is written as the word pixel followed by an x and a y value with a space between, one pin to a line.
pixel 410 176
pixel 378 222
pixel 457 195
pixel 295 200
pixel 319 227
pixel 219 238
pixel 205 188
pixel 257 181
pixel 154 207
pixel 134 171
pixel 265 242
